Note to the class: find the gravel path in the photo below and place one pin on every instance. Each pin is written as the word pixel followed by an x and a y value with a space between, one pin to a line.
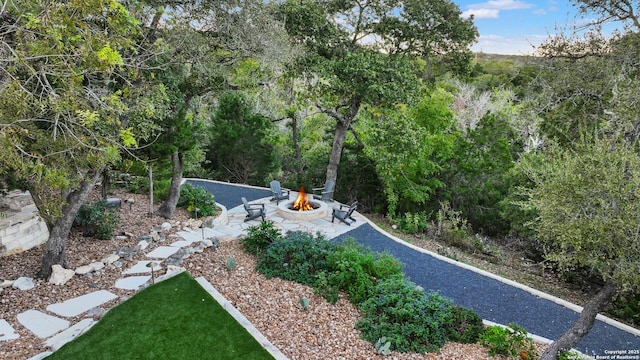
pixel 492 299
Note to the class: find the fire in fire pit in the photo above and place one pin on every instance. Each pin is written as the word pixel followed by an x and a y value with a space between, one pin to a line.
pixel 302 203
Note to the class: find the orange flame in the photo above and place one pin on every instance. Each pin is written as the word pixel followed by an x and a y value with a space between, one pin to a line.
pixel 301 203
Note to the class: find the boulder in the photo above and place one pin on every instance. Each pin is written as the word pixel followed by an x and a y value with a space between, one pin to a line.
pixel 60 275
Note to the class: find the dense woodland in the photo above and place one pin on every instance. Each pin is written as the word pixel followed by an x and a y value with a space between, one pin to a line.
pixel 382 97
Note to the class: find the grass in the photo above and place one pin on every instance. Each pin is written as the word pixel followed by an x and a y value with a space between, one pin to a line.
pixel 173 319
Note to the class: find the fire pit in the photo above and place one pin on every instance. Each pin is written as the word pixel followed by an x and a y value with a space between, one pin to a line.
pixel 302 208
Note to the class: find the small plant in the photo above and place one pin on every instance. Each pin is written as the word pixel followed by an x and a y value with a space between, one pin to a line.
pixel 98 219
pixel 413 223
pixel 198 201
pixel 570 355
pixel 509 341
pixel 305 303
pixel 259 237
pixel 383 346
pixel 231 263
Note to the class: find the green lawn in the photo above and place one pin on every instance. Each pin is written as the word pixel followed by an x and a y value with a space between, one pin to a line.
pixel 173 319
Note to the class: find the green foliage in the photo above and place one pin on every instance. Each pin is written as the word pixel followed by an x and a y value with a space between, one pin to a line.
pixel 298 256
pixel 466 325
pixel 241 142
pixel 355 270
pixel 510 341
pixel 98 219
pixel 587 203
pixel 260 237
pixel 477 175
pixel 407 145
pixel 570 355
pixel 451 228
pixel 413 223
pixel 627 307
pixel 412 320
pixel 198 201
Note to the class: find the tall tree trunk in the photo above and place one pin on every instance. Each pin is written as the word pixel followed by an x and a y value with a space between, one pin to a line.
pixel 169 206
pixel 584 323
pixel 336 151
pixel 343 122
pixel 59 230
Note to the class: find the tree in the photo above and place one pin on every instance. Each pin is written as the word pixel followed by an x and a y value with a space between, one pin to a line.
pixel 241 150
pixel 65 68
pixel 218 35
pixel 587 202
pixel 363 53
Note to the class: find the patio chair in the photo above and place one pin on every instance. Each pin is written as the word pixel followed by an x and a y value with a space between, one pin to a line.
pixel 253 210
pixel 278 192
pixel 345 213
pixel 324 193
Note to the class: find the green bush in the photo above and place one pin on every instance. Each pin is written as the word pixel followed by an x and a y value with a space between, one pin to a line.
pixel 412 320
pixel 298 256
pixel 259 237
pixel 466 325
pixel 356 271
pixel 509 341
pixel 98 219
pixel 627 307
pixel 413 223
pixel 198 201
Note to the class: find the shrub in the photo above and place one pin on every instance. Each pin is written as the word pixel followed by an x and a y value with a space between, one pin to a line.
pixel 259 237
pixel 298 256
pixel 356 271
pixel 98 219
pixel 412 320
pixel 198 201
pixel 466 325
pixel 509 341
pixel 413 223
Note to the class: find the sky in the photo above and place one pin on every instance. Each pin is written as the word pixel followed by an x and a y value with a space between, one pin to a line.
pixel 514 27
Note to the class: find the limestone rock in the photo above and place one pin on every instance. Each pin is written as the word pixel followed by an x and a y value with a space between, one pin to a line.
pixel 24 283
pixel 165 226
pixel 83 270
pixel 110 259
pixel 60 275
pixel 97 265
pixel 5 284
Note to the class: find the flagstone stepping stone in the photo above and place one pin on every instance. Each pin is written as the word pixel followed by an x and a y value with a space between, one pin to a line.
pixel 131 282
pixel 56 342
pixel 141 268
pixel 41 324
pixel 162 252
pixel 7 332
pixel 78 305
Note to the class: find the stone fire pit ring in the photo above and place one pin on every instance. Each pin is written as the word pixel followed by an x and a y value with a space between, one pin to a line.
pixel 321 209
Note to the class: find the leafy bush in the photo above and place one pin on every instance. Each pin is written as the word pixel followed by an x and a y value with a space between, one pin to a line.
pixel 412 320
pixel 413 223
pixel 509 341
pixel 466 325
pixel 98 219
pixel 451 228
pixel 298 256
pixel 259 237
pixel 198 201
pixel 356 271
pixel 627 307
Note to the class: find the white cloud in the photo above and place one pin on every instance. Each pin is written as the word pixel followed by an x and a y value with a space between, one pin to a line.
pixel 502 5
pixel 491 9
pixel 481 14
